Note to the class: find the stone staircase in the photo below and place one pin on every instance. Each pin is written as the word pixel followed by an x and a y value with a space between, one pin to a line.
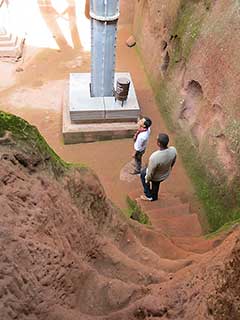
pixel 172 218
pixel 10 46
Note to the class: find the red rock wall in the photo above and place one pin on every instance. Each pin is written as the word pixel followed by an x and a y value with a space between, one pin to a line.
pixel 213 63
pixel 192 49
pixel 126 11
pixel 191 52
pixel 153 21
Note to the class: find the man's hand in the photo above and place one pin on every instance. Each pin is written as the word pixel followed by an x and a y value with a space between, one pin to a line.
pixel 146 179
pixel 133 154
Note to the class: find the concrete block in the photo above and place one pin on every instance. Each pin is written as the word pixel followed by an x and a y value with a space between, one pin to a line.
pixel 5 37
pixel 89 132
pixel 8 42
pixel 84 108
pixel 11 48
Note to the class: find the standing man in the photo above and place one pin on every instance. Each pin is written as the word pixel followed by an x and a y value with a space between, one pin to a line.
pixel 159 168
pixel 140 142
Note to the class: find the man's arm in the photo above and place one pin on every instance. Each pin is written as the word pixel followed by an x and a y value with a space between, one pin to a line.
pixel 150 169
pixel 174 161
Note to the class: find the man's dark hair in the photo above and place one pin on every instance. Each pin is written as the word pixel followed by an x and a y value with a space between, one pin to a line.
pixel 163 139
pixel 147 122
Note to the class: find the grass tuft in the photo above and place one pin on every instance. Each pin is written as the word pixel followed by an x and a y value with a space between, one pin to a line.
pixel 134 212
pixel 31 141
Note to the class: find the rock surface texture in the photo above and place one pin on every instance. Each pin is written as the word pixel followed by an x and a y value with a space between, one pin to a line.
pixel 190 50
pixel 68 253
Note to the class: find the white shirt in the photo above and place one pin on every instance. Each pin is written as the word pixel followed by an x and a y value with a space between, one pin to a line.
pixel 142 140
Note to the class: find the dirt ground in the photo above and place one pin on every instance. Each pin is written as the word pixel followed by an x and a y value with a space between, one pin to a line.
pixel 66 252
pixel 35 93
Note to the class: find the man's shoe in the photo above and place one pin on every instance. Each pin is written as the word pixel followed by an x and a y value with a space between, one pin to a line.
pixel 145 198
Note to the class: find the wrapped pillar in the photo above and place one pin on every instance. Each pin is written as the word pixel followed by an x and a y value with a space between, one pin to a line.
pixel 104 17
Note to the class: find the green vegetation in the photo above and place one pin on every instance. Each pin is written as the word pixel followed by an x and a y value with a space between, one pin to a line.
pixel 220 200
pixel 186 30
pixel 207 4
pixel 30 141
pixel 134 212
pixel 220 205
pixel 223 229
pixel 166 100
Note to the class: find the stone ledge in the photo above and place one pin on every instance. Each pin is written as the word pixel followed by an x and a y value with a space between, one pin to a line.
pixel 83 107
pixel 12 48
pixel 89 132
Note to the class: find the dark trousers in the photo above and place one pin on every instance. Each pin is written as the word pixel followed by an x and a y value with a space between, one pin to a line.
pixel 138 160
pixel 150 189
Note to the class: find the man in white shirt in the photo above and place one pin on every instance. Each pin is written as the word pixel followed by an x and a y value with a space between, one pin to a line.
pixel 140 142
pixel 159 168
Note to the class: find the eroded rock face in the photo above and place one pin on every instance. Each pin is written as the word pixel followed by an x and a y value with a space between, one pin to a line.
pixel 52 232
pixel 152 23
pixel 213 63
pixel 194 68
pixel 67 253
pixel 222 302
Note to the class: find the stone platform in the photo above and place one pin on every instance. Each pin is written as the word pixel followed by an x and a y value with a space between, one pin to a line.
pixel 84 108
pixel 88 119
pixel 90 132
pixel 10 46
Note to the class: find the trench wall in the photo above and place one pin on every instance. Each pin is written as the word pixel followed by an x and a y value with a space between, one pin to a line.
pixel 190 50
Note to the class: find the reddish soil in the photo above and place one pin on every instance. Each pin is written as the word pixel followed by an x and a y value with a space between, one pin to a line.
pixel 36 95
pixel 66 251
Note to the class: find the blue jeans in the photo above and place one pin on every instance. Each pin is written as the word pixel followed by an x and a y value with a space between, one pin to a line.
pixel 150 192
